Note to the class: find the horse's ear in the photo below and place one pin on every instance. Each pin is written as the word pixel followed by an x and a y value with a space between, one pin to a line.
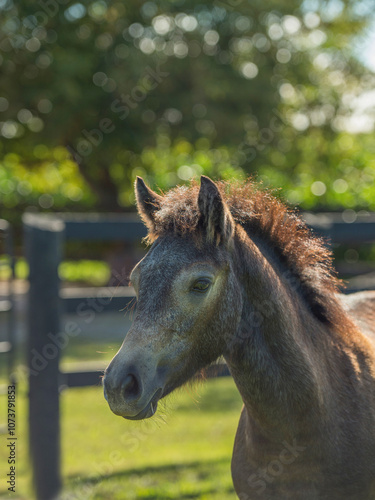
pixel 216 218
pixel 148 202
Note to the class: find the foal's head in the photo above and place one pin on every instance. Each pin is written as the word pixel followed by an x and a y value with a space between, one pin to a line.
pixel 188 300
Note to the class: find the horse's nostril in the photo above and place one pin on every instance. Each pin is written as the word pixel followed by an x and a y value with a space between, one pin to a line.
pixel 130 387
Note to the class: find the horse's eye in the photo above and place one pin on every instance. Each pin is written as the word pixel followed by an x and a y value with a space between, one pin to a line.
pixel 201 286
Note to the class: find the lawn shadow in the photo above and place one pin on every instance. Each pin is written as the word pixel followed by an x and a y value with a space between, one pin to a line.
pixel 161 475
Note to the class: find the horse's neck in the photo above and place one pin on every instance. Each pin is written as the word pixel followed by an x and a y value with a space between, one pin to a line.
pixel 272 357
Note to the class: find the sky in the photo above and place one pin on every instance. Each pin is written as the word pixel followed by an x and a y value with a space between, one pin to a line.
pixel 367 54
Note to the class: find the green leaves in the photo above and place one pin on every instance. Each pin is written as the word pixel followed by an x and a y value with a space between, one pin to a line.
pixel 224 89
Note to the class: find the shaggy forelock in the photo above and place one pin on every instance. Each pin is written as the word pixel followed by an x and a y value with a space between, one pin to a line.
pixel 178 214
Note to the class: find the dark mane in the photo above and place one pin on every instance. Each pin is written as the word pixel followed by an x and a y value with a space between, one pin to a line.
pixel 262 215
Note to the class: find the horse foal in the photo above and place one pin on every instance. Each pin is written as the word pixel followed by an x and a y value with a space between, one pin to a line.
pixel 231 272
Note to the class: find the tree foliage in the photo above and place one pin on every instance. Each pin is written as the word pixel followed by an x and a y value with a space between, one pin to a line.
pixel 168 90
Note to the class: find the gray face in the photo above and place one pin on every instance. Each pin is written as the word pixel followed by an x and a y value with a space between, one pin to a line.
pixel 188 304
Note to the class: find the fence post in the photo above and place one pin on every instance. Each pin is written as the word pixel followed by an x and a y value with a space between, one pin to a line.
pixel 9 248
pixel 43 239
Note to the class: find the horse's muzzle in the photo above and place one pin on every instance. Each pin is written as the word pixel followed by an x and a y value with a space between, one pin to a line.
pixel 127 395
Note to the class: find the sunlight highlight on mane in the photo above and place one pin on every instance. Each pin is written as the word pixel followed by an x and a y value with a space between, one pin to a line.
pixel 263 215
pixel 306 255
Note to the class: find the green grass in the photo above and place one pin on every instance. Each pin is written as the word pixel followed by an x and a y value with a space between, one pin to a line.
pixel 94 272
pixel 183 452
pixel 90 272
pixel 90 350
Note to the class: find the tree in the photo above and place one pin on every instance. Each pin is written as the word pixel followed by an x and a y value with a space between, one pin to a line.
pixel 111 81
